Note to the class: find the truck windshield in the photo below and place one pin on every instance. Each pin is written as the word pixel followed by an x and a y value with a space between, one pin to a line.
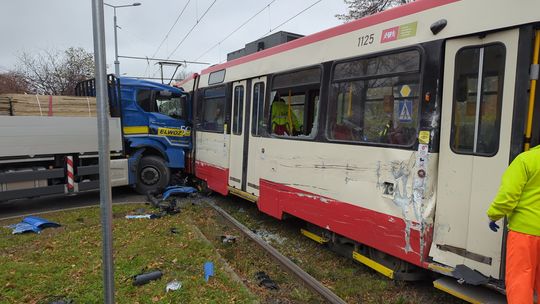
pixel 173 106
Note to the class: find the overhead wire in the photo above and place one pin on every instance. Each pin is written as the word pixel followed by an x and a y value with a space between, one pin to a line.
pixel 236 30
pixel 192 28
pixel 172 27
pixel 167 36
pixel 286 21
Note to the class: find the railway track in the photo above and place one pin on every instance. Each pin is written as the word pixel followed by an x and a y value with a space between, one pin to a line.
pixel 291 267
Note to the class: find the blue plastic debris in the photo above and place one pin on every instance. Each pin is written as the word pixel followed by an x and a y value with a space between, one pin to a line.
pixel 23 227
pixel 32 224
pixel 39 222
pixel 208 270
pixel 177 190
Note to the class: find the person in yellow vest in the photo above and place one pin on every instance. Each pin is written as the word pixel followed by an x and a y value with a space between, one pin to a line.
pixel 284 122
pixel 519 200
pixel 388 109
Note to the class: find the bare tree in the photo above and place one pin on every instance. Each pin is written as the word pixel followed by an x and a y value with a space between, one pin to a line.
pixel 12 82
pixel 183 74
pixel 361 8
pixel 55 72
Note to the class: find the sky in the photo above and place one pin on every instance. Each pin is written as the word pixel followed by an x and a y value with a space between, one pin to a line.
pixel 33 26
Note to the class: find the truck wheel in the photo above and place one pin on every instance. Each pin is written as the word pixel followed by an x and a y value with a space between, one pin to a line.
pixel 153 175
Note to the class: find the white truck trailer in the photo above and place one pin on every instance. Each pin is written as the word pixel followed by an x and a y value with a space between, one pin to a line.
pixel 148 136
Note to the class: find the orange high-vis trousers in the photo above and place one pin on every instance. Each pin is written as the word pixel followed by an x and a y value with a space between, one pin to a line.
pixel 522 267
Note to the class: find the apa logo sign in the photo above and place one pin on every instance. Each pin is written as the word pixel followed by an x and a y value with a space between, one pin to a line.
pixel 399 32
pixel 389 34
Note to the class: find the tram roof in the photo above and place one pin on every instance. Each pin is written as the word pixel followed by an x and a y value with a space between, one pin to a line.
pixel 495 15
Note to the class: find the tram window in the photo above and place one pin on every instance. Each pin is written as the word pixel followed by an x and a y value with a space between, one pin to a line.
pixel 376 109
pixel 477 104
pixel 295 101
pixel 257 123
pixel 216 77
pixel 408 61
pixel 213 108
pixel 238 110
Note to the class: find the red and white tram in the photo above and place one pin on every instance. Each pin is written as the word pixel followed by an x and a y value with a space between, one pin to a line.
pixel 393 135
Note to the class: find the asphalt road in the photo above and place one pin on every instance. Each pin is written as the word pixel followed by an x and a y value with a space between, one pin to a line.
pixel 53 203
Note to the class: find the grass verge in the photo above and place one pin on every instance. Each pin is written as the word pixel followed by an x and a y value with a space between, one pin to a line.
pixel 66 261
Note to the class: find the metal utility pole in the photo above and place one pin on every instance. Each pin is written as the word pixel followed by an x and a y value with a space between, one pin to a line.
pixel 104 151
pixel 116 62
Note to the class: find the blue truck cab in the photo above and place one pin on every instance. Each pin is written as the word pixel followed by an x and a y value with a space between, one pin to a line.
pixel 156 125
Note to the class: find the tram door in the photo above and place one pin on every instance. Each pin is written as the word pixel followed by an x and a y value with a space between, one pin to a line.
pixel 476 124
pixel 258 126
pixel 239 128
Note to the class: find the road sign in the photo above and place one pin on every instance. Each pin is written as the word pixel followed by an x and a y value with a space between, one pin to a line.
pixel 405 110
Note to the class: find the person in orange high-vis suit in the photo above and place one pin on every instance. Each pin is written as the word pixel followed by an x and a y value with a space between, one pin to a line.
pixel 519 200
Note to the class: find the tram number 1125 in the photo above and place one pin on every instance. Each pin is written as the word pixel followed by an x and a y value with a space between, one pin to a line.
pixel 366 40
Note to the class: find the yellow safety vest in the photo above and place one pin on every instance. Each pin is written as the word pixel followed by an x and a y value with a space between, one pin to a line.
pixel 280 117
pixel 519 194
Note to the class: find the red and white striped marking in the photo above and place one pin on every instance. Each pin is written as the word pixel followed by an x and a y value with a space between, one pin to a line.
pixel 70 173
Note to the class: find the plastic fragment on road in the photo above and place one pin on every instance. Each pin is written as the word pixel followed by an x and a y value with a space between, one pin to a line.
pixel 177 190
pixel 141 216
pixel 145 278
pixel 208 270
pixel 173 286
pixel 265 281
pixel 32 224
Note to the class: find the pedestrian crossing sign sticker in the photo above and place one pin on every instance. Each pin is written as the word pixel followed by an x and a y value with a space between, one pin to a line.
pixel 405 110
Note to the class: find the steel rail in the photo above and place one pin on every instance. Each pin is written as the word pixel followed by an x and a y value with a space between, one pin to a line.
pixel 310 281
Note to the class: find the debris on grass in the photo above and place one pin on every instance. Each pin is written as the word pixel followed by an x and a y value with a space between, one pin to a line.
pixel 141 216
pixel 156 199
pixel 173 286
pixel 67 262
pixel 176 190
pixel 169 207
pixel 208 270
pixel 56 300
pixel 32 224
pixel 145 278
pixel 228 239
pixel 264 280
pixel 269 237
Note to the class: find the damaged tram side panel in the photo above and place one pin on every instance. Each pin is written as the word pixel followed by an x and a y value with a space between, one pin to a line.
pixel 383 199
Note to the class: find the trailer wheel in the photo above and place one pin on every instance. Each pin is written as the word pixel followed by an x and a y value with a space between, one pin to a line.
pixel 152 175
